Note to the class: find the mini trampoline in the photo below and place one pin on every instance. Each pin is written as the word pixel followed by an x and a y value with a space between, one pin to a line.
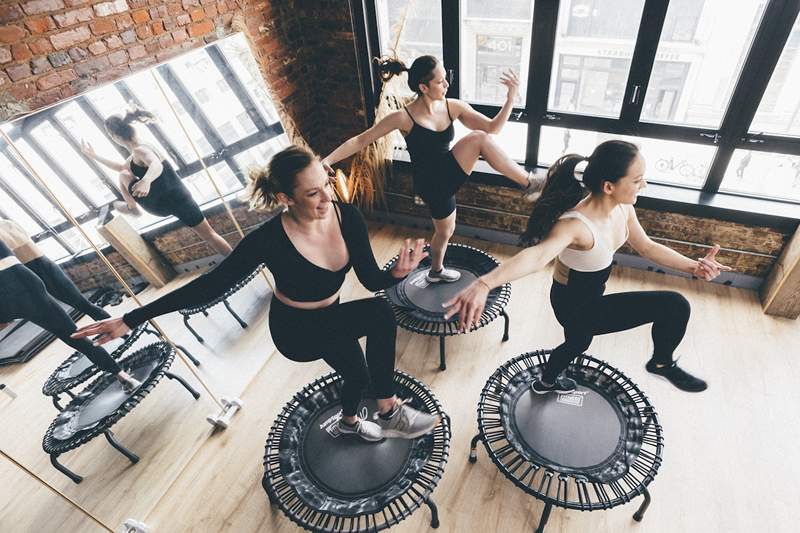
pixel 103 403
pixel 417 304
pixel 203 308
pixel 78 368
pixel 593 449
pixel 309 465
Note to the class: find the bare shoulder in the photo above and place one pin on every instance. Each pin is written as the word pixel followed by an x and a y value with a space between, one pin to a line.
pixel 457 107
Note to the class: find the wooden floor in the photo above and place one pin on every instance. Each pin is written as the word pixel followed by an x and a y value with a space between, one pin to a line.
pixel 730 461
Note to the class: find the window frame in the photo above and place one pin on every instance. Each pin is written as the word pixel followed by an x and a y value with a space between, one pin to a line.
pixel 756 72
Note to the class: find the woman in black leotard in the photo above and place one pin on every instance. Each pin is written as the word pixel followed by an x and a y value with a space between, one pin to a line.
pixel 582 232
pixel 309 249
pixel 23 295
pixel 438 170
pixel 149 180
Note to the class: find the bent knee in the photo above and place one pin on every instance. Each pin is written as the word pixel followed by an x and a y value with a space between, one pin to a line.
pixel 677 304
pixel 478 136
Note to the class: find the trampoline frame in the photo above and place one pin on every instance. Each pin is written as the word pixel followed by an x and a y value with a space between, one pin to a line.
pixel 441 328
pixel 188 312
pixel 55 447
pixel 283 494
pixel 549 485
pixel 53 387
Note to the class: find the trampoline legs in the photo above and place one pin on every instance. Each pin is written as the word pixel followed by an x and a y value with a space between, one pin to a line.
pixel 638 515
pixel 544 518
pixel 196 335
pixel 442 363
pixel 473 448
pixel 55 402
pixel 434 512
pixel 233 314
pixel 505 328
pixel 183 382
pixel 64 470
pixel 188 355
pixel 132 457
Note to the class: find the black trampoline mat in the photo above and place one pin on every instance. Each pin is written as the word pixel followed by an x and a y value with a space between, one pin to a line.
pixel 416 290
pixel 100 405
pixel 347 465
pixel 577 430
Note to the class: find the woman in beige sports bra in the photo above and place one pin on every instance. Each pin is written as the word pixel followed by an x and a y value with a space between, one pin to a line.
pixel 582 232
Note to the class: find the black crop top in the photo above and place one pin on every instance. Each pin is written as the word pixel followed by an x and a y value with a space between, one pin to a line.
pixel 295 276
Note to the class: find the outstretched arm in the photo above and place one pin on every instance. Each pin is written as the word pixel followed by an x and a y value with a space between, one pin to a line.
pixel 469 302
pixel 475 120
pixel 706 267
pixel 89 152
pixel 391 122
pixel 247 255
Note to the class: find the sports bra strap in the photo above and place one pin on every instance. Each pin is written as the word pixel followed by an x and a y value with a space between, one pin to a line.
pixel 447 105
pixel 410 115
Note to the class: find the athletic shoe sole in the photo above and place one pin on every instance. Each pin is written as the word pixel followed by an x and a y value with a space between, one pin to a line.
pixel 671 383
pixel 357 434
pixel 441 280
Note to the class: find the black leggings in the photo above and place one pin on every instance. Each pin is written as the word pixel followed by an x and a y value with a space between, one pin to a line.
pixel 583 318
pixel 61 287
pixel 332 334
pixel 23 295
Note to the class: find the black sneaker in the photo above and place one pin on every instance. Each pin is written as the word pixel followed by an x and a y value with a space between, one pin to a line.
pixel 677 376
pixel 563 385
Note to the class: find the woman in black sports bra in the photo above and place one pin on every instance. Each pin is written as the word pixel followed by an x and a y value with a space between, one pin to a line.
pixel 150 181
pixel 438 170
pixel 309 248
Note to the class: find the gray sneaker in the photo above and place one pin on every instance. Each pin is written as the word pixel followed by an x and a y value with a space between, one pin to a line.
pixel 369 431
pixel 535 186
pixel 407 422
pixel 445 275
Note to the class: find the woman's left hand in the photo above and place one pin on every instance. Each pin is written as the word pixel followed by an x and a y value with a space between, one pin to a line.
pixel 510 80
pixel 140 189
pixel 708 267
pixel 409 258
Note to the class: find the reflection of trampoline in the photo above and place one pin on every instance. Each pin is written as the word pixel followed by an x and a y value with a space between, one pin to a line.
pixel 78 368
pixel 189 311
pixel 328 482
pixel 103 403
pixel 417 304
pixel 593 449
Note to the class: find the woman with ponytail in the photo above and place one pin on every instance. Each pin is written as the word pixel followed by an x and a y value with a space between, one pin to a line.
pixel 309 248
pixel 147 179
pixel 581 222
pixel 439 171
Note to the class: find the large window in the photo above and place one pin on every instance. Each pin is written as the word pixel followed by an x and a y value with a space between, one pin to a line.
pixel 219 95
pixel 707 88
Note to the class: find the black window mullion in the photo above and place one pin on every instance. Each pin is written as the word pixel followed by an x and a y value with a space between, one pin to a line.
pixel 73 142
pixel 233 81
pixel 644 57
pixel 155 128
pixel 451 56
pixel 372 48
pixel 196 112
pixel 59 170
pixel 543 43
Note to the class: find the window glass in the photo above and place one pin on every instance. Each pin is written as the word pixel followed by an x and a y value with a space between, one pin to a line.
pixel 764 174
pixel 421 33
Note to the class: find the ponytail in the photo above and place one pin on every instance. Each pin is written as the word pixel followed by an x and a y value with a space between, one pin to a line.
pixel 561 192
pixel 420 71
pixel 278 176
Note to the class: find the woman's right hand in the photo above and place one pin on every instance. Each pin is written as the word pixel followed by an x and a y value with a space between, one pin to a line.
pixel 468 304
pixel 108 329
pixel 87 149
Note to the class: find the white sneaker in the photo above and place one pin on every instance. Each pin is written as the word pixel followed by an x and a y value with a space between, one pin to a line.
pixel 446 275
pixel 407 422
pixel 535 186
pixel 369 431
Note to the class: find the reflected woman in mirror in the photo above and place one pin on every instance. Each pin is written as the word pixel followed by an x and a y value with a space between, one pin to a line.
pixel 309 249
pixel 438 170
pixel 149 180
pixel 23 295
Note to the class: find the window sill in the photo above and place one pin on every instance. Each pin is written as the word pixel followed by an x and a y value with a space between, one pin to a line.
pixel 661 197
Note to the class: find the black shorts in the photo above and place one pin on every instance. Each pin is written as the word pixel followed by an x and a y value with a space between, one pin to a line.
pixel 176 201
pixel 438 184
